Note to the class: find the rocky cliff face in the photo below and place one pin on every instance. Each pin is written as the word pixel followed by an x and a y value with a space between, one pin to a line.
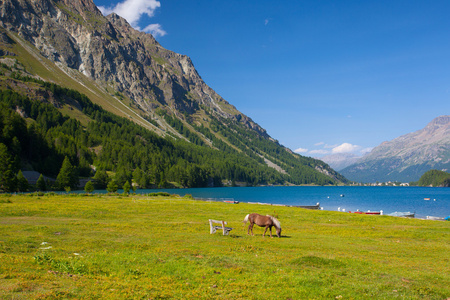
pixel 407 157
pixel 75 35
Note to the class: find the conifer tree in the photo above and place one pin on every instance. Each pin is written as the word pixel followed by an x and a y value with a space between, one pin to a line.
pixel 22 182
pixel 67 177
pixel 7 176
pixel 112 186
pixel 101 179
pixel 137 176
pixel 40 183
pixel 89 187
pixel 126 187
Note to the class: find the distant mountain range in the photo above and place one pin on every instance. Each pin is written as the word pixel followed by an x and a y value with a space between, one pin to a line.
pixel 47 45
pixel 407 157
pixel 340 161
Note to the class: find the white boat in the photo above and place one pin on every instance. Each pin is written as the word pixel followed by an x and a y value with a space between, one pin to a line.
pixel 435 218
pixel 402 214
pixel 317 206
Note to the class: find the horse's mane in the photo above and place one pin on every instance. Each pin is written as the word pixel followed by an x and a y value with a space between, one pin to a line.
pixel 276 223
pixel 246 219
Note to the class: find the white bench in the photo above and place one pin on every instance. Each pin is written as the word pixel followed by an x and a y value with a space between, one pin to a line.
pixel 213 228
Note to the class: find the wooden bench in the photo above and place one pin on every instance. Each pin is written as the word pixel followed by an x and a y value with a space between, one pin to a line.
pixel 213 228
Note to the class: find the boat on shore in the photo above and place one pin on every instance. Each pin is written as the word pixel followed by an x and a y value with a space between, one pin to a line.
pixel 366 212
pixel 231 201
pixel 437 218
pixel 402 214
pixel 317 206
pixel 226 200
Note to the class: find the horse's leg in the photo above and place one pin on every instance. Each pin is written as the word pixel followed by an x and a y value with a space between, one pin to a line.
pixel 250 228
pixel 264 234
pixel 270 231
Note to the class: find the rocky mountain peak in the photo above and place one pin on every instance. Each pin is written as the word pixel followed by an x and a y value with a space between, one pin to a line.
pixel 81 6
pixel 439 124
pixel 107 49
pixel 408 156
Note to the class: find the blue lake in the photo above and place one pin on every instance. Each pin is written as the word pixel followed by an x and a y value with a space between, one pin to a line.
pixel 387 199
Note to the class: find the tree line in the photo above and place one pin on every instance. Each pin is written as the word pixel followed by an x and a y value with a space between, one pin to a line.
pixel 114 151
pixel 435 178
pixel 35 135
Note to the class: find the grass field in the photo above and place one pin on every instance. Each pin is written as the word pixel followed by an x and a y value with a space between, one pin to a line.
pixel 139 247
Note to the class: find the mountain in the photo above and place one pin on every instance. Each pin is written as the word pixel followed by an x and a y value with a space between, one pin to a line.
pixel 93 69
pixel 125 62
pixel 341 160
pixel 407 157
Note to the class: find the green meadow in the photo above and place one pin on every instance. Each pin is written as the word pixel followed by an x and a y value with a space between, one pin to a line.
pixel 150 247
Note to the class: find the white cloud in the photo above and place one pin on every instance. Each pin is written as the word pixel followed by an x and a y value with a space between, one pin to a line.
pixel 155 30
pixel 336 149
pixel 105 11
pixel 366 150
pixel 345 148
pixel 301 150
pixel 133 10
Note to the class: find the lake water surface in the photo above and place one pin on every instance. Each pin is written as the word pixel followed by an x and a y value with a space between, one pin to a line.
pixel 387 199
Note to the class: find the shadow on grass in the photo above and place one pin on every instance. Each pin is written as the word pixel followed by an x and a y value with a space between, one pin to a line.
pixel 235 236
pixel 267 236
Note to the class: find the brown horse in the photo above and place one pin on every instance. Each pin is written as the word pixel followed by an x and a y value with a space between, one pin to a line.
pixel 262 221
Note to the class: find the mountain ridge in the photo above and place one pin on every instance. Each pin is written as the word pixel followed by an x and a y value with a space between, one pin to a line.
pixel 137 66
pixel 407 157
pixel 128 73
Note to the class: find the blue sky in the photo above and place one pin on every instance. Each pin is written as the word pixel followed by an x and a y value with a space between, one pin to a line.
pixel 321 77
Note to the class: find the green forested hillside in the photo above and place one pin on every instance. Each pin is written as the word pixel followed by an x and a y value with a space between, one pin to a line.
pixel 435 178
pixel 38 136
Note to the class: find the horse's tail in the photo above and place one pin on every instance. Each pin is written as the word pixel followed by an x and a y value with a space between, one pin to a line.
pixel 246 219
pixel 276 222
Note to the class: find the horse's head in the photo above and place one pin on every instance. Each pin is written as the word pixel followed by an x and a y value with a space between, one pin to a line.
pixel 277 225
pixel 279 232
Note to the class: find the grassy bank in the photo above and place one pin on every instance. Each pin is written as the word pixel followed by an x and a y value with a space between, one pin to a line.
pixel 138 247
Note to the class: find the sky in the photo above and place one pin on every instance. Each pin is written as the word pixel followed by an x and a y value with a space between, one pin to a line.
pixel 322 77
